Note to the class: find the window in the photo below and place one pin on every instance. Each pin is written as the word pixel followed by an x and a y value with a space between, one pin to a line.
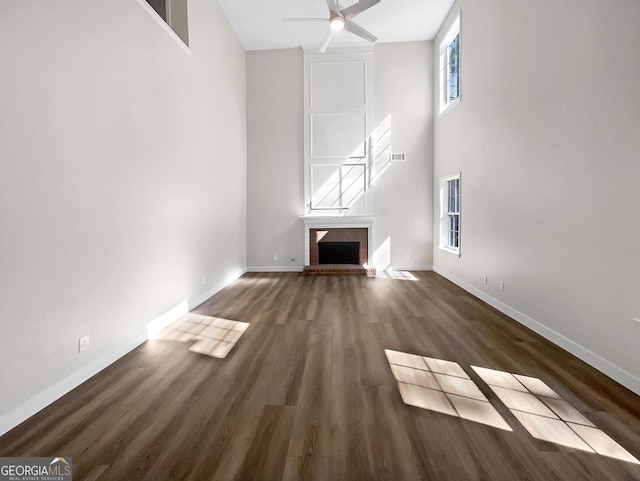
pixel 450 213
pixel 173 14
pixel 450 67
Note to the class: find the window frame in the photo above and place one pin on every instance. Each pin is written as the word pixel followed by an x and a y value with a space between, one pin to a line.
pixel 446 214
pixel 164 23
pixel 444 60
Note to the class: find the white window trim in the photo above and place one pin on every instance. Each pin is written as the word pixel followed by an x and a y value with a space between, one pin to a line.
pixel 164 25
pixel 443 192
pixel 444 106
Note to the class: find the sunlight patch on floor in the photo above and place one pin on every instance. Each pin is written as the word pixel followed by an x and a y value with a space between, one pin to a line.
pixel 546 416
pixel 441 386
pixel 214 336
pixel 397 275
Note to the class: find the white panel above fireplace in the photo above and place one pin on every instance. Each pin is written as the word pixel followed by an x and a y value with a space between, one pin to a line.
pixel 338 85
pixel 338 116
pixel 338 135
pixel 338 186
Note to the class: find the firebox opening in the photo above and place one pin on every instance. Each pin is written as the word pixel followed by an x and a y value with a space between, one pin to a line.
pixel 339 253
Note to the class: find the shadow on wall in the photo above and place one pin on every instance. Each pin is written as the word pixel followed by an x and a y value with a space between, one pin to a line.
pixel 343 186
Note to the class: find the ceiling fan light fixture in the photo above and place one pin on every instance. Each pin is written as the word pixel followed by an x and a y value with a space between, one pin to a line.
pixel 337 23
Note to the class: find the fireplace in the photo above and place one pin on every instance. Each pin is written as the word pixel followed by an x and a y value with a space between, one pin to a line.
pixel 352 234
pixel 342 245
pixel 339 253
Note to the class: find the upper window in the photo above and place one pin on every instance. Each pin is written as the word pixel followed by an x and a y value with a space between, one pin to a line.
pixel 450 213
pixel 449 80
pixel 174 14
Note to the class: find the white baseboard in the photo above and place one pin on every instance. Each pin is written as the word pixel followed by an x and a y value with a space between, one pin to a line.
pixel 215 289
pixel 601 364
pixel 55 392
pixel 299 268
pixel 274 269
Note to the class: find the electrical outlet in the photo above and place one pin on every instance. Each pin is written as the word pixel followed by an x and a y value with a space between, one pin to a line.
pixel 502 285
pixel 203 281
pixel 275 257
pixel 485 279
pixel 83 343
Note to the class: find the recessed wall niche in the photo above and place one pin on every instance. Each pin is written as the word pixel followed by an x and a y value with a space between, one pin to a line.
pixel 174 13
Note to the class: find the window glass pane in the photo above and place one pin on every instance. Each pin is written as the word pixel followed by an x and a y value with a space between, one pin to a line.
pixel 174 13
pixel 160 6
pixel 453 197
pixel 454 66
pixel 454 221
pixel 450 220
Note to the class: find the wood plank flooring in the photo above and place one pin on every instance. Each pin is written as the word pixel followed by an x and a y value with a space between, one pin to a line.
pixel 308 394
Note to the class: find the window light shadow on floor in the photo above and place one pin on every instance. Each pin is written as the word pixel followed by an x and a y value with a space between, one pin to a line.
pixel 398 275
pixel 442 386
pixel 214 336
pixel 548 417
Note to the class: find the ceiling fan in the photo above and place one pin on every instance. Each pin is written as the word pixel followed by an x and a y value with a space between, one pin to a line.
pixel 340 19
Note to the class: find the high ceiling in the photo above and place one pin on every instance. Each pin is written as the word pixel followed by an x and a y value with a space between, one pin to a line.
pixel 259 25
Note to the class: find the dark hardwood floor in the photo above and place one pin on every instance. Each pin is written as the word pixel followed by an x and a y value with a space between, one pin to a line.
pixel 307 394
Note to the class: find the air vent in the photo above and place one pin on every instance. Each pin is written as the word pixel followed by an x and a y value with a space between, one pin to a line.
pixel 397 157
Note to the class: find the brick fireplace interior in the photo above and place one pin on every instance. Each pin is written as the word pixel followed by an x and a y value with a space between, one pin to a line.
pixel 341 235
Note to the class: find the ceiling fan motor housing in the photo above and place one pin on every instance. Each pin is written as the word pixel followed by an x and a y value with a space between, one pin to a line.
pixel 337 22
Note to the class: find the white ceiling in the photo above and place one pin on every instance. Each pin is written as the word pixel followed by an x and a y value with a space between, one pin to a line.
pixel 259 25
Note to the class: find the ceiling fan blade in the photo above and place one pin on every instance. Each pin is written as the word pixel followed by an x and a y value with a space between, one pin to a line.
pixel 333 6
pixel 314 19
pixel 356 29
pixel 325 42
pixel 358 8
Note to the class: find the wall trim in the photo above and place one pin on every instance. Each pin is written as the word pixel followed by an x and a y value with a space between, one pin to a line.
pixel 40 401
pixel 274 269
pixel 55 392
pixel 193 303
pixel 421 267
pixel 164 25
pixel 594 360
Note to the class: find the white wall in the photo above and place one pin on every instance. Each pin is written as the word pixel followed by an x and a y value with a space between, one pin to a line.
pixel 547 137
pixel 274 159
pixel 403 196
pixel 122 179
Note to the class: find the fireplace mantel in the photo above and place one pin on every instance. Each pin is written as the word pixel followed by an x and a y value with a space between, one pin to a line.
pixel 328 222
pixel 340 221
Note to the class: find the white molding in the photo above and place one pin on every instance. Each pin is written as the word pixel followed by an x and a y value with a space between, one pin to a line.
pixel 163 320
pixel 55 392
pixel 339 222
pixel 193 303
pixel 342 48
pixel 340 56
pixel 601 364
pixel 274 269
pixel 164 25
